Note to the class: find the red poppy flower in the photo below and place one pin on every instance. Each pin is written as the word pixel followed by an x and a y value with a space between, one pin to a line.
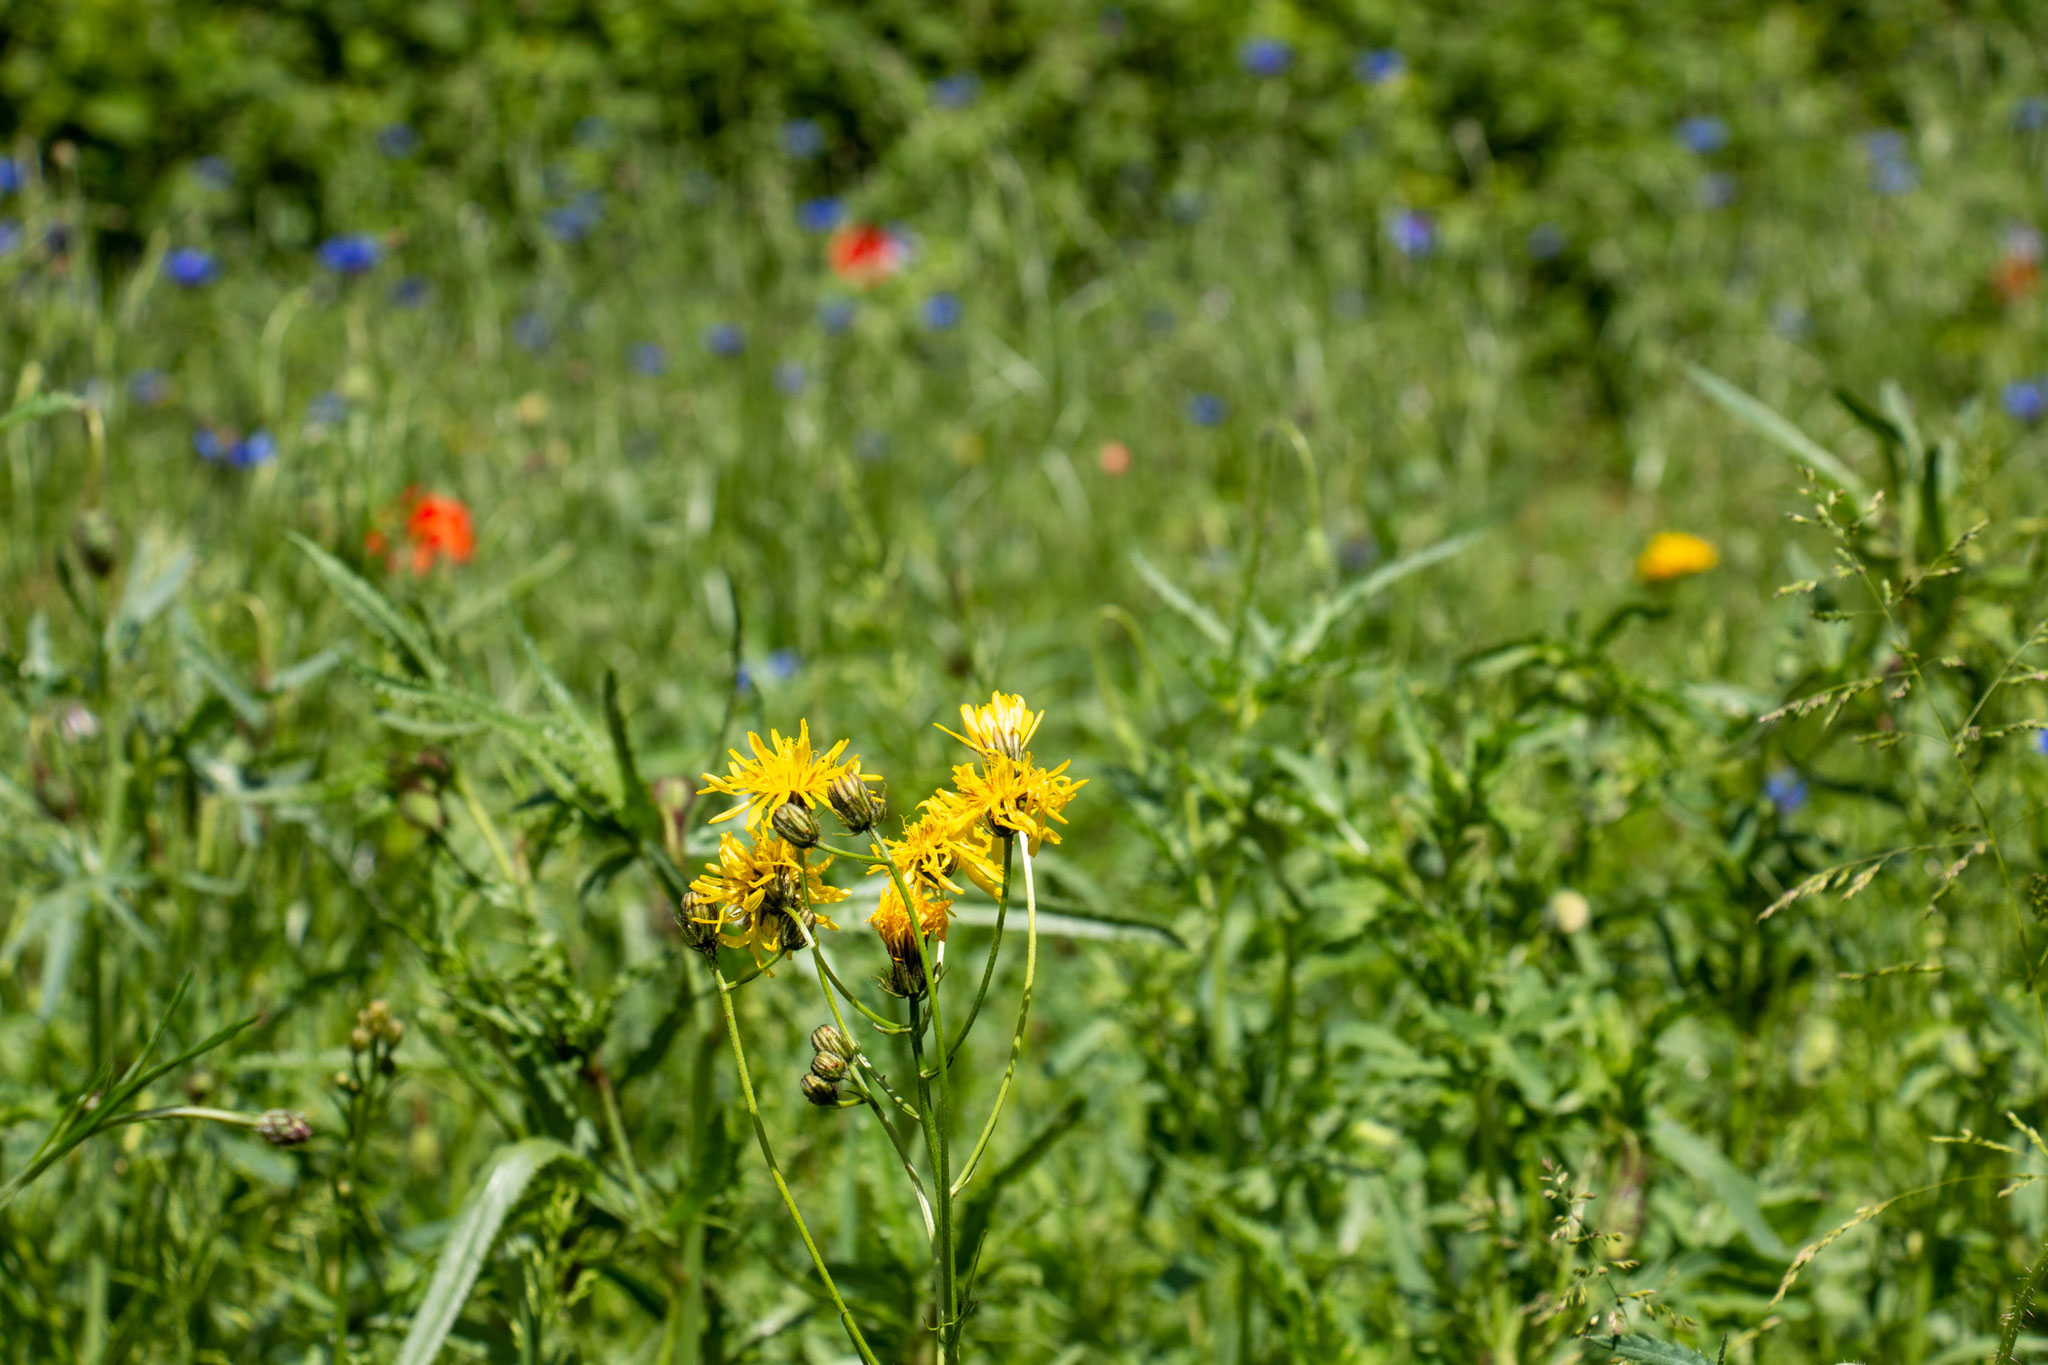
pixel 438 527
pixel 865 255
pixel 2017 277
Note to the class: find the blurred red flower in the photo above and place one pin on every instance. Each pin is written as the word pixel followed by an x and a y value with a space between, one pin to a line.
pixel 865 255
pixel 437 527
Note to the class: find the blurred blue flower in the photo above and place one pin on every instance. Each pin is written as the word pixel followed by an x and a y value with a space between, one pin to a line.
pixel 254 449
pixel 1266 56
pixel 1894 177
pixel 1787 790
pixel 1546 241
pixel 1207 410
pixel 1703 134
pixel 2041 742
pixel 870 444
pixel 10 235
pixel 783 664
pixel 592 130
pixel 790 376
pixel 803 138
pixel 835 315
pixel 725 338
pixel 207 444
pixel 1886 144
pixel 352 253
pixel 1716 190
pixel 1412 232
pixel 191 266
pixel 10 175
pixel 1379 66
pixel 149 388
pixel 820 215
pixel 327 409
pixel 411 292
pixel 941 311
pixel 531 332
pixel 2030 115
pixel 215 172
pixel 956 91
pixel 2026 400
pixel 1791 321
pixel 648 358
pixel 397 140
pixel 573 221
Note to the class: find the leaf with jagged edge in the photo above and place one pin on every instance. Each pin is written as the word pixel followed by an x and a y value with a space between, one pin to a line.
pixel 563 702
pixel 558 763
pixel 1648 1350
pixel 374 610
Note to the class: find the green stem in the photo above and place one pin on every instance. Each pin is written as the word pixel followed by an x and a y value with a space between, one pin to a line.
pixel 739 1057
pixel 942 1241
pixel 617 1127
pixel 988 969
pixel 1016 1038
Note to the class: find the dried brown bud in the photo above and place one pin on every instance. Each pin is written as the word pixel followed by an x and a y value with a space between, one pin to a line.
pixel 283 1128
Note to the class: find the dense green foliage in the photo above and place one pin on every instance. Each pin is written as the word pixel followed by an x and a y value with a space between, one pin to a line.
pixel 1462 948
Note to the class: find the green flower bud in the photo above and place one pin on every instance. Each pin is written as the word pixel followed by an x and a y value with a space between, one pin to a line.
pixel 860 807
pixel 826 1038
pixel 793 821
pixel 822 1093
pixel 828 1067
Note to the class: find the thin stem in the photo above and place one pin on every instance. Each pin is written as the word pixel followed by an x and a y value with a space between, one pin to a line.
pixel 616 1124
pixel 881 1022
pixel 942 1241
pixel 739 1057
pixel 839 852
pixel 1016 1038
pixel 924 1202
pixel 914 1115
pixel 988 970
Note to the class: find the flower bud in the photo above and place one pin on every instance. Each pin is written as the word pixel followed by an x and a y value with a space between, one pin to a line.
pixel 699 929
pixel 859 807
pixel 822 1093
pixel 906 978
pixel 793 821
pixel 828 1067
pixel 826 1038
pixel 283 1128
pixel 98 541
pixel 359 1039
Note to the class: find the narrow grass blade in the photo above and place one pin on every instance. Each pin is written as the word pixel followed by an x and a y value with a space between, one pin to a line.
pixel 1780 432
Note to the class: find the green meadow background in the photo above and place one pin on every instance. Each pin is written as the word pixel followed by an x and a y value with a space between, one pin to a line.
pixel 1463 955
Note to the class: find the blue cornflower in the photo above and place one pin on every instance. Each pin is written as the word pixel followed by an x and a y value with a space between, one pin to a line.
pixel 10 235
pixel 327 409
pixel 648 358
pixel 149 387
pixel 1886 144
pixel 1412 232
pixel 191 266
pixel 397 140
pixel 207 444
pixel 1787 790
pixel 1207 410
pixel 783 664
pixel 2030 115
pixel 1716 190
pixel 2025 399
pixel 835 315
pixel 411 292
pixel 573 221
pixel 1546 241
pixel 254 449
pixel 1379 66
pixel 531 332
pixel 10 175
pixel 2041 742
pixel 1703 134
pixel 725 338
pixel 215 172
pixel 790 376
pixel 956 91
pixel 803 138
pixel 820 215
pixel 1266 56
pixel 352 253
pixel 941 311
pixel 1894 177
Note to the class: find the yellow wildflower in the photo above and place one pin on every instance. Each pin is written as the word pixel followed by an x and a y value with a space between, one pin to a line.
pixel 946 841
pixel 1003 728
pixel 755 891
pixel 1017 796
pixel 1675 554
pixel 782 770
pixel 892 919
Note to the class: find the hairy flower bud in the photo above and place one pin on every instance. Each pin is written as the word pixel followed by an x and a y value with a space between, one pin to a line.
pixel 859 806
pixel 827 1067
pixel 697 921
pixel 826 1038
pixel 283 1128
pixel 794 822
pixel 820 1092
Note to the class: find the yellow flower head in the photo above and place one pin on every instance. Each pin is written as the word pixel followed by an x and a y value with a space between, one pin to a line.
pixel 892 919
pixel 753 890
pixel 946 841
pixel 1003 728
pixel 1675 554
pixel 782 770
pixel 1017 797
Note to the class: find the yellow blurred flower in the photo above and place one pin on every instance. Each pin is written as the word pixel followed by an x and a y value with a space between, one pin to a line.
pixel 1675 554
pixel 782 770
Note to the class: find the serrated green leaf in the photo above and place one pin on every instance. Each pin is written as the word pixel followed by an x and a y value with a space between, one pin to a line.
pixel 374 610
pixel 1647 1349
pixel 469 1243
pixel 1780 432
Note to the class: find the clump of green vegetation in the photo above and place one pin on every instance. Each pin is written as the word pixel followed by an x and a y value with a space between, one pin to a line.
pixel 1528 579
